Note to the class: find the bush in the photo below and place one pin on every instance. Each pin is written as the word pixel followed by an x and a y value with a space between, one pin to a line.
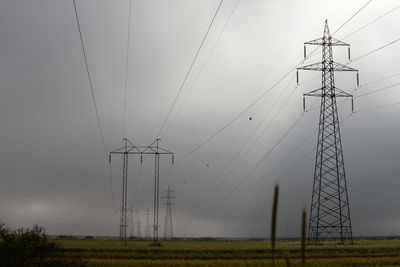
pixel 30 247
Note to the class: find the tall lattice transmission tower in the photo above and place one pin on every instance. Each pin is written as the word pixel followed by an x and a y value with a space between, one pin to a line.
pixel 168 230
pixel 147 227
pixel 330 211
pixel 130 149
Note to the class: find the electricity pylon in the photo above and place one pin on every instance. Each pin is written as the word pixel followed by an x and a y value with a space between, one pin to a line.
pixel 330 211
pixel 152 149
pixel 168 230
pixel 123 220
pixel 132 211
pixel 138 231
pixel 147 229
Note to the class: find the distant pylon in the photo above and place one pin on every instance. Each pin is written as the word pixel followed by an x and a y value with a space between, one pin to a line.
pixel 330 212
pixel 138 231
pixel 132 233
pixel 152 149
pixel 147 229
pixel 168 230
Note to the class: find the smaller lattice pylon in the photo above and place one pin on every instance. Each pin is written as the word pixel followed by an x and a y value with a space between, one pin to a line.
pixel 147 228
pixel 131 221
pixel 138 231
pixel 168 230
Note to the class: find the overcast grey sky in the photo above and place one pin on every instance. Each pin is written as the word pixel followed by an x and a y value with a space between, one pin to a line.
pixel 53 166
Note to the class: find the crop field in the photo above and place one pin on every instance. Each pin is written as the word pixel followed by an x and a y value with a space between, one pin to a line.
pixel 231 253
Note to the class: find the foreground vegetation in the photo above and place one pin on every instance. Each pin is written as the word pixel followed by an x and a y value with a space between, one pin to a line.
pixel 25 247
pixel 32 247
pixel 230 253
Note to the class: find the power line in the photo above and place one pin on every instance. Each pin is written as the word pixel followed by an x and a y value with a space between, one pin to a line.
pixel 204 64
pixel 372 22
pixel 197 77
pixel 378 90
pixel 279 178
pixel 93 97
pixel 126 70
pixel 339 9
pixel 244 145
pixel 251 171
pixel 215 156
pixel 382 79
pixel 375 50
pixel 235 118
pixel 377 107
pixel 190 69
pixel 245 109
pixel 355 14
pixel 90 80
pixel 275 181
pixel 242 112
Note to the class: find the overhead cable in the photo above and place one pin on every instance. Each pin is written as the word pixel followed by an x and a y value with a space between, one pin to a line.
pixel 372 22
pixel 93 95
pixel 203 65
pixel 355 14
pixel 375 50
pixel 126 71
pixel 189 70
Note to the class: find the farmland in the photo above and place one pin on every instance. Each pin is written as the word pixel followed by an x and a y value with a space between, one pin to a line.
pixel 98 252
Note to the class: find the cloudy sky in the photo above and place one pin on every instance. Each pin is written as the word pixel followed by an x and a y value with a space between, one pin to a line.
pixel 53 165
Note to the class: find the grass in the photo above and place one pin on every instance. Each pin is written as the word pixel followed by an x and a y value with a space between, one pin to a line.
pixel 232 253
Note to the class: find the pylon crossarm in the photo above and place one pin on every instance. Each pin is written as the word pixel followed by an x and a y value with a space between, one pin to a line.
pixel 163 151
pixel 131 144
pixel 323 41
pixel 138 150
pixel 336 42
pixel 128 150
pixel 117 150
pixel 340 67
pixel 151 147
pixel 316 92
pixel 319 67
pixel 317 41
pixel 149 150
pixel 314 66
pixel 159 152
pixel 341 93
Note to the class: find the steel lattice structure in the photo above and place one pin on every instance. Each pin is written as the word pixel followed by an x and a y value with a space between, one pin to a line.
pixel 127 149
pixel 138 231
pixel 168 230
pixel 330 211
pixel 147 229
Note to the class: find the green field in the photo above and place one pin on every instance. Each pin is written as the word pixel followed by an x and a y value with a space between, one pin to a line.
pixel 230 253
